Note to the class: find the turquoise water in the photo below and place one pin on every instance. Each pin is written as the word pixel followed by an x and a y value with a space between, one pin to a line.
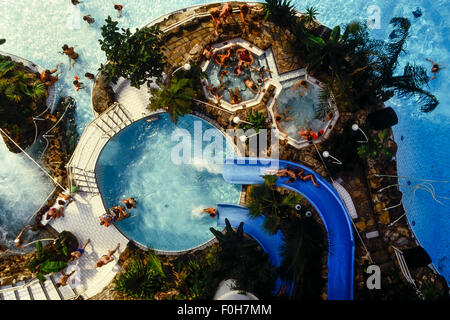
pixel 36 30
pixel 170 197
pixel 299 106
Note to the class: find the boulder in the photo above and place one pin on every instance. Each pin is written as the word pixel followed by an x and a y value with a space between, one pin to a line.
pixel 102 96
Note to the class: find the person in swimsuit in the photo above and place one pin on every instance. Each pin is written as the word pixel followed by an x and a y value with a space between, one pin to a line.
pixel 106 258
pixel 74 255
pixel 223 73
pixel 64 278
pixel 90 76
pixel 304 86
pixel 435 69
pixel 239 69
pixel 251 85
pixel 129 203
pixel 300 174
pixel 215 91
pixel 245 56
pixel 227 11
pixel 215 15
pixel 78 84
pixel 261 70
pixel 18 241
pixel 235 97
pixel 89 19
pixel 106 219
pixel 223 59
pixel 208 52
pixel 47 78
pixel 119 9
pixel 71 54
pixel 278 117
pixel 211 211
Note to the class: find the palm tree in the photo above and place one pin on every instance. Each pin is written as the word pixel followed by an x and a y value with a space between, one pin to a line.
pixel 302 255
pixel 233 242
pixel 176 97
pixel 266 200
pixel 310 14
pixel 280 12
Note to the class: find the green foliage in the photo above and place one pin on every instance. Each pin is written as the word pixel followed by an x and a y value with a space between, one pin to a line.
pixel 280 12
pixel 142 278
pixel 362 69
pixel 21 94
pixel 240 259
pixel 266 200
pixel 258 121
pixel 53 257
pixel 375 148
pixel 175 97
pixel 310 14
pixel 302 257
pixel 2 41
pixel 136 57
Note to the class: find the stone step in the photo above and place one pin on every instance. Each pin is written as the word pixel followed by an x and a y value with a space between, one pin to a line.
pixel 22 293
pixel 50 288
pixel 37 292
pixel 9 295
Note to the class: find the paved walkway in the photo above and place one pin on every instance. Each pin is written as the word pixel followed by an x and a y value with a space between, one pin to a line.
pixel 82 215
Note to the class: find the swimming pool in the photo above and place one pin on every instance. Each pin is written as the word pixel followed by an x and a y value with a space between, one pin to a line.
pixel 298 109
pixel 422 153
pixel 137 162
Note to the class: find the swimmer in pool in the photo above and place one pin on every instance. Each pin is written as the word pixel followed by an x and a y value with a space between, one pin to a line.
pixel 211 211
pixel 435 68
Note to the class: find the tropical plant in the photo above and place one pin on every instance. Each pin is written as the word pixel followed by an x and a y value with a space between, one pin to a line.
pixel 240 259
pixel 302 257
pixel 142 278
pixel 54 257
pixel 266 200
pixel 233 243
pixel 136 57
pixel 375 148
pixel 310 14
pixel 280 12
pixel 257 121
pixel 2 41
pixel 176 97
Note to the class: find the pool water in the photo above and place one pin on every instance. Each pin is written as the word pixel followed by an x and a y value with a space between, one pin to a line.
pixel 231 80
pixel 298 109
pixel 422 153
pixel 170 197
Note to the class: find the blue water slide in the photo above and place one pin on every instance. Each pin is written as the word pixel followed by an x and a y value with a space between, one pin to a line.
pixel 325 199
pixel 271 243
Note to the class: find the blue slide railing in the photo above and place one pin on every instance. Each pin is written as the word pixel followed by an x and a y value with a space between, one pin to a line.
pixel 325 199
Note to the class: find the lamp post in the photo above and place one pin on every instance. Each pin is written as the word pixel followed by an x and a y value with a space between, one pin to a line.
pixel 186 67
pixel 355 128
pixel 237 120
pixel 326 154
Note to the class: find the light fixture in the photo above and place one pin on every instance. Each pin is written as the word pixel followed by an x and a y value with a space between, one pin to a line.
pixel 326 154
pixel 355 128
pixel 237 120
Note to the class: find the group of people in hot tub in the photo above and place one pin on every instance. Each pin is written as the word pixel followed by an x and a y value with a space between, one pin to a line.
pixel 245 62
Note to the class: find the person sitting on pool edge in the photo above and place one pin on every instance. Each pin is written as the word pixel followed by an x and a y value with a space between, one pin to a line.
pixel 304 87
pixel 211 211
pixel 245 56
pixel 47 78
pixel 215 91
pixel 235 97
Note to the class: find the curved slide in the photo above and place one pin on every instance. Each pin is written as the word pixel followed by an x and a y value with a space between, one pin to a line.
pixel 328 204
pixel 271 243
